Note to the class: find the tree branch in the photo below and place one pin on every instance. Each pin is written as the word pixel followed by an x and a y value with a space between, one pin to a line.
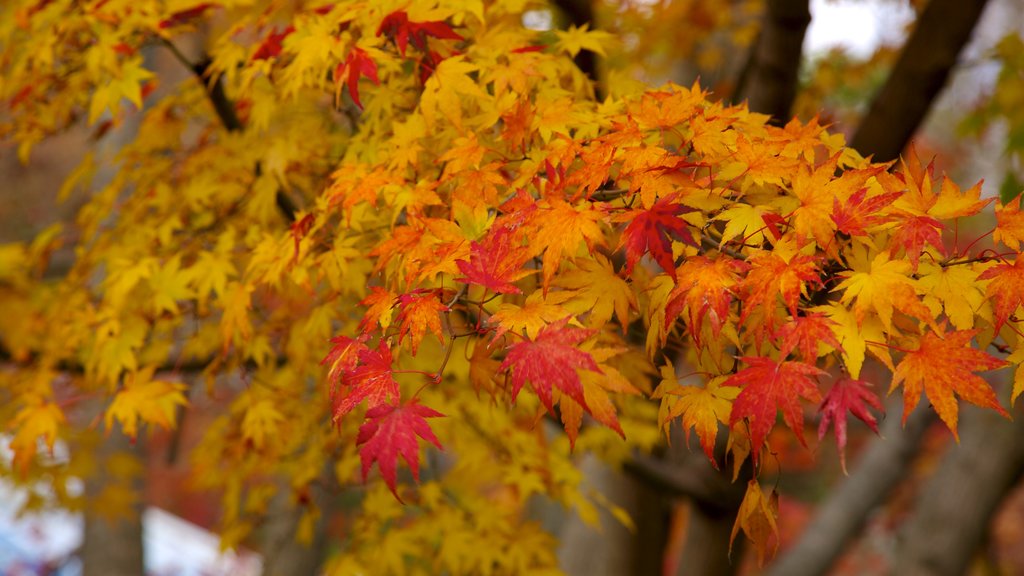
pixel 227 114
pixel 918 77
pixel 842 516
pixel 770 80
pixel 953 513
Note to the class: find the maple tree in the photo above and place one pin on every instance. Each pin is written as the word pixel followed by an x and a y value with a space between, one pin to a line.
pixel 410 224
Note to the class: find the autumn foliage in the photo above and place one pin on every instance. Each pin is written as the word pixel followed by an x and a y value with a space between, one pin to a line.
pixel 380 227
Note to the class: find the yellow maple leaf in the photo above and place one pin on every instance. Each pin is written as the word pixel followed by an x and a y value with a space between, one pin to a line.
pixel 882 287
pixel 701 408
pixel 142 398
pixel 956 288
pixel 537 312
pixel 574 39
pixel 597 289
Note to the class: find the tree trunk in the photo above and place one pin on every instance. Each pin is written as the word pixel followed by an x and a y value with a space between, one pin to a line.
pixel 612 549
pixel 954 511
pixel 113 546
pixel 920 73
pixel 771 84
pixel 842 516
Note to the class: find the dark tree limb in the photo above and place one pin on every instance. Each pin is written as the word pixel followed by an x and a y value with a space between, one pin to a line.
pixel 924 65
pixel 954 511
pixel 842 516
pixel 769 80
pixel 228 115
pixel 580 12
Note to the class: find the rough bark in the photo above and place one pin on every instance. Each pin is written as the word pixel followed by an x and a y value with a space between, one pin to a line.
pixel 283 555
pixel 953 514
pixel 770 82
pixel 620 551
pixel 842 516
pixel 924 65
pixel 112 546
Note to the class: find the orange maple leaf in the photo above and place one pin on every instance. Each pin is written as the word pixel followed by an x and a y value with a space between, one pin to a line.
pixel 771 276
pixel 942 365
pixel 769 386
pixel 804 333
pixel 756 517
pixel 705 288
pixel 1006 289
pixel 420 311
pixel 1009 224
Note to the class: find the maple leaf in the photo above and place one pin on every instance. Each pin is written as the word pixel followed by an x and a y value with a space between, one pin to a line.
pixel 942 365
pixel 769 386
pixel 595 289
pixel 1006 289
pixel 390 430
pixel 397 27
pixel 372 379
pixel 558 232
pixel 805 333
pixel 770 276
pixel 152 401
pixel 859 213
pixel 420 311
pixel 357 63
pixel 757 518
pixel 272 44
pixel 1009 224
pixel 652 230
pixel 701 408
pixel 913 232
pixel 533 315
pixel 956 287
pixel 496 262
pixel 705 288
pixel 342 358
pixel 551 359
pixel 379 305
pixel 883 288
pixel 847 395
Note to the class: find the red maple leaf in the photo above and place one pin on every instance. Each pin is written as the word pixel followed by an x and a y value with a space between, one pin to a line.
pixel 399 29
pixel 804 333
pixel 184 16
pixel 371 379
pixel 653 230
pixel 860 213
pixel 272 44
pixel 1006 289
pixel 495 263
pixel 358 63
pixel 552 358
pixel 342 358
pixel 390 430
pixel 847 395
pixel 769 386
pixel 913 232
